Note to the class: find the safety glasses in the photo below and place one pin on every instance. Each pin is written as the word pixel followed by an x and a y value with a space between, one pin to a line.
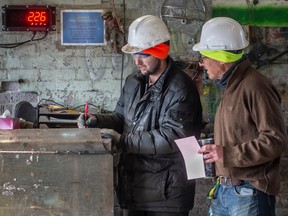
pixel 201 58
pixel 140 55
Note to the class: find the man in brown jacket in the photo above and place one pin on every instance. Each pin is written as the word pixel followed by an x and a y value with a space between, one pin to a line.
pixel 249 131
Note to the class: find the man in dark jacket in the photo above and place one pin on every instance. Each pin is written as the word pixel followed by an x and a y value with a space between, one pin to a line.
pixel 158 104
pixel 249 131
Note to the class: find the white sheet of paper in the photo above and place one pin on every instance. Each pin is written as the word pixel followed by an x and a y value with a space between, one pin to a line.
pixel 193 161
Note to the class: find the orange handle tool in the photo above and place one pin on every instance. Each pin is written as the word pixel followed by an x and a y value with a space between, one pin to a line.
pixel 86 113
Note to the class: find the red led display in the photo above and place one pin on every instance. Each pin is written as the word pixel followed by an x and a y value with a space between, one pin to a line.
pixel 28 18
pixel 37 18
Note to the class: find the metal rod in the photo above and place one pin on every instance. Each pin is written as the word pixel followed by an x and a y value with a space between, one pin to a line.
pixel 55 152
pixel 29 152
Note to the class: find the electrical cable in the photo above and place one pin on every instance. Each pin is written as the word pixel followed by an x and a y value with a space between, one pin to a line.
pixel 14 45
pixel 74 108
pixel 122 69
pixel 122 60
pixel 210 116
pixel 49 101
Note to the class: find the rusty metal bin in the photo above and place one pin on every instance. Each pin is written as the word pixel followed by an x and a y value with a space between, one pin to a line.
pixel 55 172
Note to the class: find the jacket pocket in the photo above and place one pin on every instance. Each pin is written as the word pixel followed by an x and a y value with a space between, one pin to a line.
pixel 123 187
pixel 151 165
pixel 180 115
pixel 150 187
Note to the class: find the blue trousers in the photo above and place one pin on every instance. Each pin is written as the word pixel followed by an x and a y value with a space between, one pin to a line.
pixel 150 213
pixel 242 200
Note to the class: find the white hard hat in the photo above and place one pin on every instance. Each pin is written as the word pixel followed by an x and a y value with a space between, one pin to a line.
pixel 221 33
pixel 146 32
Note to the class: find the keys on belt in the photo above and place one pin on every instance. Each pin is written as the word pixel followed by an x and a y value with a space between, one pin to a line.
pixel 229 181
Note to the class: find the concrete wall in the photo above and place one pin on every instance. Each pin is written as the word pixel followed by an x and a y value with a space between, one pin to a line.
pixel 70 75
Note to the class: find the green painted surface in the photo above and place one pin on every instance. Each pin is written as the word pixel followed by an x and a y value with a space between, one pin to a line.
pixel 257 16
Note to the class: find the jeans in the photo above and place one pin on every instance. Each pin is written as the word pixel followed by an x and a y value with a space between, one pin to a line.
pixel 150 213
pixel 242 200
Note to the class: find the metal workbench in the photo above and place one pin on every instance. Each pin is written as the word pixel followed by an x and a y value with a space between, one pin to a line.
pixel 55 172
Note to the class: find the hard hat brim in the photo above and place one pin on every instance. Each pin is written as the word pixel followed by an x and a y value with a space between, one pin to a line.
pixel 196 47
pixel 128 48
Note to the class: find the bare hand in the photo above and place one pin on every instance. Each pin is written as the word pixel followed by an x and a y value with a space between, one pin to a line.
pixel 212 153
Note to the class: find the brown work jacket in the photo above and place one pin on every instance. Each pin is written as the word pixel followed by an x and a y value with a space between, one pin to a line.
pixel 249 125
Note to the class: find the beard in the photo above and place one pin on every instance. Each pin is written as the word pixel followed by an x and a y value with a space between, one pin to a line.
pixel 153 67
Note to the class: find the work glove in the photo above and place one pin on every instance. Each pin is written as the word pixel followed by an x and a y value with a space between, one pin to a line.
pixel 91 121
pixel 26 124
pixel 122 142
pixel 114 136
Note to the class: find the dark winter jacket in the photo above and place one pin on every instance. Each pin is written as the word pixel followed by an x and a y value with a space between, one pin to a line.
pixel 152 174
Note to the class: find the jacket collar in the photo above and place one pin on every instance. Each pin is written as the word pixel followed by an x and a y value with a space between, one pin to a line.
pixel 222 83
pixel 157 88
